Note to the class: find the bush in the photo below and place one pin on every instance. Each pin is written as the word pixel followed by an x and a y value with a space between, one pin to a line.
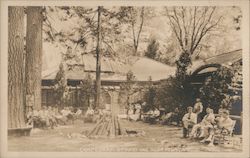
pixel 152 49
pixel 173 93
pixel 215 91
pixel 149 98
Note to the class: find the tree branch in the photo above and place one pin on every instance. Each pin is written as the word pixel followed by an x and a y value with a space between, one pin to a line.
pixel 140 29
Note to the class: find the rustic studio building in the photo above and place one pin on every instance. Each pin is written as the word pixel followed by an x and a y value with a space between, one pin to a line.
pixel 113 78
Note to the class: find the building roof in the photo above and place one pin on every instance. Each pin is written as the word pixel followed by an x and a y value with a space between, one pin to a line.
pixel 223 59
pixel 142 69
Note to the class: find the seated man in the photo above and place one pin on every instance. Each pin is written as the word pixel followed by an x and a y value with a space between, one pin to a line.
pixel 67 113
pixel 176 116
pixel 188 120
pixel 78 113
pixel 156 113
pixel 223 125
pixel 36 118
pixel 204 125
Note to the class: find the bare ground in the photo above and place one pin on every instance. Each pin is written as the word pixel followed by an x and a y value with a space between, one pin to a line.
pixel 68 139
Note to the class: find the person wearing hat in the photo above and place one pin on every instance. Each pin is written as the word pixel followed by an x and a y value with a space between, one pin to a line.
pixel 188 120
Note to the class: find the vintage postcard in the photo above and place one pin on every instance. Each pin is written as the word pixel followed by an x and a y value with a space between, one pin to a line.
pixel 124 78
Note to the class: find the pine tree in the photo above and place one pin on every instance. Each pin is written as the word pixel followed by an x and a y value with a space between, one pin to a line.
pixel 16 60
pixel 33 69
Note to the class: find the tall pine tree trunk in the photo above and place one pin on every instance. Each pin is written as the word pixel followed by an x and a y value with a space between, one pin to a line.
pixel 98 62
pixel 33 67
pixel 16 67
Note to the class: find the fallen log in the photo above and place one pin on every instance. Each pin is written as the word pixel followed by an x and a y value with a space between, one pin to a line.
pixel 109 126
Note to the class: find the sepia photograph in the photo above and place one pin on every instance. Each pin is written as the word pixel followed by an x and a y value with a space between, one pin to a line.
pixel 124 78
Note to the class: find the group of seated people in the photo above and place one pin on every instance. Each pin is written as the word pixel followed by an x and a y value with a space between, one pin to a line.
pixel 171 118
pixel 152 116
pixel 208 126
pixel 51 116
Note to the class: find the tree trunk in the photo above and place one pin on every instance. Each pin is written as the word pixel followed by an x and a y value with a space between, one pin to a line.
pixel 33 67
pixel 98 62
pixel 16 68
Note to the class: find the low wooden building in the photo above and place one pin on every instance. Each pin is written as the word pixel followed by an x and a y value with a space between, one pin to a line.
pixel 113 77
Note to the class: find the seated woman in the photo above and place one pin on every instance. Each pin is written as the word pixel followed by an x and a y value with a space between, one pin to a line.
pixel 89 115
pixel 223 125
pixel 204 125
pixel 135 116
pixel 43 117
pixel 188 120
pixel 60 119
pixel 131 111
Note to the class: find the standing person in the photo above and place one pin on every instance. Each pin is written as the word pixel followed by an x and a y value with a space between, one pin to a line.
pixel 188 120
pixel 198 108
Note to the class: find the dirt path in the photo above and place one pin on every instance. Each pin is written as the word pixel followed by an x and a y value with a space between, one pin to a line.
pixel 68 138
